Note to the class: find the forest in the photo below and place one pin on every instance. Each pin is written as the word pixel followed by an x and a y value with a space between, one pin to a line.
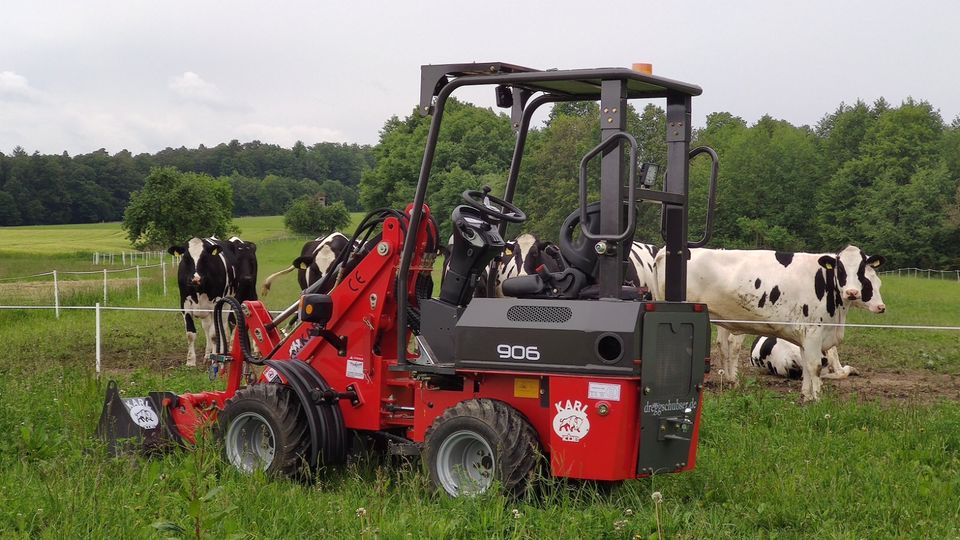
pixel 40 189
pixel 879 176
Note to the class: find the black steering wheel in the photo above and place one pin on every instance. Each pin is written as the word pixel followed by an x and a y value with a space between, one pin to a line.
pixel 481 201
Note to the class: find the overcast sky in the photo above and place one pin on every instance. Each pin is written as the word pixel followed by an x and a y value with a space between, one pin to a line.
pixel 78 76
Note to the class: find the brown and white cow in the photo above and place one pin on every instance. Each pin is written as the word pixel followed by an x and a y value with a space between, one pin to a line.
pixel 798 297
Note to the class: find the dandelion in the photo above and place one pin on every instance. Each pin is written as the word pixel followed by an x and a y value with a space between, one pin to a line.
pixel 619 525
pixel 628 512
pixel 361 512
pixel 826 416
pixel 516 514
pixel 657 497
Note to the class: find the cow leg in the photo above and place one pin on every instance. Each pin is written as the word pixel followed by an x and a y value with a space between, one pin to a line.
pixel 837 370
pixel 729 346
pixel 207 323
pixel 811 352
pixel 191 339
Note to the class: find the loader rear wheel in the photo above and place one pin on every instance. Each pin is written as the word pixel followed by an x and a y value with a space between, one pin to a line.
pixel 264 428
pixel 476 442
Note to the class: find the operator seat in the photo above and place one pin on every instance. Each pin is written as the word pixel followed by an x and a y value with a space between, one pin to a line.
pixel 579 279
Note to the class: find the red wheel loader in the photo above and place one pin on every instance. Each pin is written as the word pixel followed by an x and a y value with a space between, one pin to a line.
pixel 569 367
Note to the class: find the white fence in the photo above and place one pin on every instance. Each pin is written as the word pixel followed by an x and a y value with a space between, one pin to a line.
pixel 98 309
pixel 55 276
pixel 129 257
pixel 924 272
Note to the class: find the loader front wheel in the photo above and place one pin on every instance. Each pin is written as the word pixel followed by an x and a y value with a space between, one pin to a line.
pixel 480 441
pixel 264 428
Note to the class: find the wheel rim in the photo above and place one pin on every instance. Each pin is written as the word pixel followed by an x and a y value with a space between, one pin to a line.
pixel 250 442
pixel 465 464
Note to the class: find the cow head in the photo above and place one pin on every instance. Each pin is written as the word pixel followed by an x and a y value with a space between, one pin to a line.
pixel 318 256
pixel 246 260
pixel 196 257
pixel 856 278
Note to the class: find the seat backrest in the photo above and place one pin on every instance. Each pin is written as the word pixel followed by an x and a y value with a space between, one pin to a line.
pixel 579 252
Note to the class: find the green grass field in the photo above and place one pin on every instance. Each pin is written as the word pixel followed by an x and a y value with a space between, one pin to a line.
pixel 861 463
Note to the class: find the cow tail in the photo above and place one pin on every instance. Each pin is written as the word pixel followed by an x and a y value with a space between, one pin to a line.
pixel 267 282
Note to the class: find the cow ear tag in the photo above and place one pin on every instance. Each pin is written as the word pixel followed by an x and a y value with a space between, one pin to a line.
pixel 215 251
pixel 303 265
pixel 875 264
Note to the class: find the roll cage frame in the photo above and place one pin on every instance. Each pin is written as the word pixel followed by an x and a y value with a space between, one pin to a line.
pixel 517 87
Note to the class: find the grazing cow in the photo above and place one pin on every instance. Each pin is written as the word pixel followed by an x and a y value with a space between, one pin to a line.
pixel 207 272
pixel 755 289
pixel 315 260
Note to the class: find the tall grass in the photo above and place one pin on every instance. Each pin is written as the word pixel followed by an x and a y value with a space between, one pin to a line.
pixel 767 468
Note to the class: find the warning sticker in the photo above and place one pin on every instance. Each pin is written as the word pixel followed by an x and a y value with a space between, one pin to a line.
pixel 526 388
pixel 355 369
pixel 599 390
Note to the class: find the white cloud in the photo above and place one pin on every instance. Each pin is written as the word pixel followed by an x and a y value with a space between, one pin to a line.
pixel 14 85
pixel 192 87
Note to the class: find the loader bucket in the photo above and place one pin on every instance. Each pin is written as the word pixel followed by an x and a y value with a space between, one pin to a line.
pixel 137 424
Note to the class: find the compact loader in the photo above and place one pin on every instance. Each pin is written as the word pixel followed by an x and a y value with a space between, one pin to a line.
pixel 570 369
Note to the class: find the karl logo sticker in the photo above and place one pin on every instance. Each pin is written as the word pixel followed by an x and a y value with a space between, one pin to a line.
pixel 571 422
pixel 142 413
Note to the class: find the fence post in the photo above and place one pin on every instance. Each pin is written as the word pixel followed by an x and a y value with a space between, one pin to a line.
pixel 97 310
pixel 163 270
pixel 56 295
pixel 138 283
pixel 104 286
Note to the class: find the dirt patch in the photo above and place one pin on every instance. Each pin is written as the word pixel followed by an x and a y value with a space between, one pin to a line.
pixel 907 386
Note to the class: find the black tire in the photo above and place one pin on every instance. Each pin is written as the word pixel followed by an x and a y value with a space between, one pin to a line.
pixel 478 441
pixel 264 426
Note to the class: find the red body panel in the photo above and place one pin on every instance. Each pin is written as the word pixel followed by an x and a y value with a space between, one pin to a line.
pixel 580 441
pixel 588 425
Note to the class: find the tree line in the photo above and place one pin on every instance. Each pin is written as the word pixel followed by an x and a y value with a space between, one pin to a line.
pixel 37 189
pixel 884 178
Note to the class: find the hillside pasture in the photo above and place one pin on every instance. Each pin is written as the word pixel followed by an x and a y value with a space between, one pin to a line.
pixel 877 457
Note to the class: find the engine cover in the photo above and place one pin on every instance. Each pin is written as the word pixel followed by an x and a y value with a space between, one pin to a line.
pixel 560 336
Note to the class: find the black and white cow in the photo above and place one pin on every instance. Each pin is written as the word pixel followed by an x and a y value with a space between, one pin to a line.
pixel 524 255
pixel 783 358
pixel 245 254
pixel 755 292
pixel 640 272
pixel 207 272
pixel 316 260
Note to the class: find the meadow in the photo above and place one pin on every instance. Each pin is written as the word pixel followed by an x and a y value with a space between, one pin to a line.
pixel 878 457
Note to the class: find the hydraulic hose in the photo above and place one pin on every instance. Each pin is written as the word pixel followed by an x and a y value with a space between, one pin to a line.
pixel 241 329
